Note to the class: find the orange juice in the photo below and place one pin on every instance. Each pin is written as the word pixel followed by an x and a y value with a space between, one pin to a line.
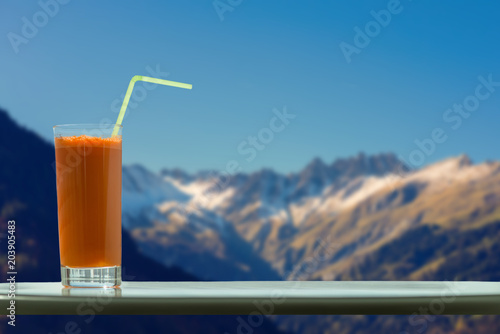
pixel 89 178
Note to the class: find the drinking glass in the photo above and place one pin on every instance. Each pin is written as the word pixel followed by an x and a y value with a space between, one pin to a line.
pixel 89 182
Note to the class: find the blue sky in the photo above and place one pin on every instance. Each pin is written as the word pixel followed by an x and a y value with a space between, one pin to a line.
pixel 263 55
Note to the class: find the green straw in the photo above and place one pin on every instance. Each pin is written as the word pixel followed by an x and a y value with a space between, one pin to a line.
pixel 131 88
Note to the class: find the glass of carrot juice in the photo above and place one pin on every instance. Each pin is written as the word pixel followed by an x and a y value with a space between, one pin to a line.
pixel 89 182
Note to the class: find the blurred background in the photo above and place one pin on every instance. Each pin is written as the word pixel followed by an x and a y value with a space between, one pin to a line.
pixel 321 141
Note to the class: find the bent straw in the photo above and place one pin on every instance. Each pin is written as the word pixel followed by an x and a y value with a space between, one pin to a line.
pixel 131 88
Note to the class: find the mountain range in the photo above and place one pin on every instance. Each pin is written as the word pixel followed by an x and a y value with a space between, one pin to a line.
pixel 360 218
pixel 334 218
pixel 367 217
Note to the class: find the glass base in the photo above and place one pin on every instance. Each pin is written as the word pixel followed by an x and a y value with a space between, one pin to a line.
pixel 91 277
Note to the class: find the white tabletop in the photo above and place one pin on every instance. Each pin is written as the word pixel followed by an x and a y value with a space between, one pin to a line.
pixel 316 297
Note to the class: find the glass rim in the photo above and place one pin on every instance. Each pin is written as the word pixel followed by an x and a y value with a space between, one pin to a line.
pixel 87 126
